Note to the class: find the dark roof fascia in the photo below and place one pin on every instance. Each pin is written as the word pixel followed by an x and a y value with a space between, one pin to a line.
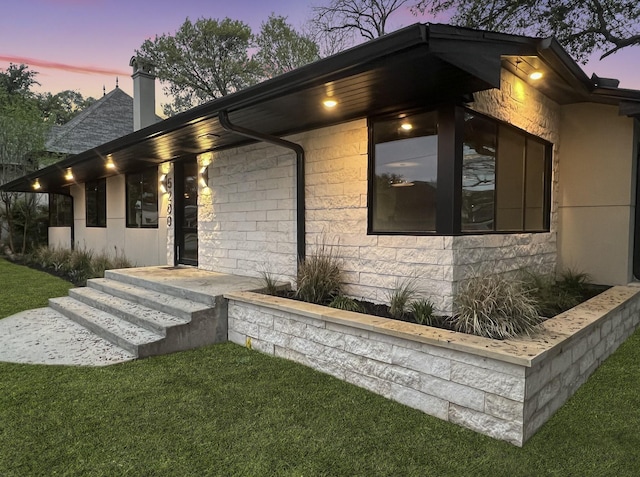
pixel 300 78
pixel 308 75
pixel 551 51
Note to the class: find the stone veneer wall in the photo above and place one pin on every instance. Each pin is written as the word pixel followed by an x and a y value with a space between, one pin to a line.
pixel 522 106
pixel 504 389
pixel 247 218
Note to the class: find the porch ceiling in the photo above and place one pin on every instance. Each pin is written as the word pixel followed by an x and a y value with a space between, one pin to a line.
pixel 415 67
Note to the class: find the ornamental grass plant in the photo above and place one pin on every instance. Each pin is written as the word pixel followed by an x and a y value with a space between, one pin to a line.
pixel 320 276
pixel 495 306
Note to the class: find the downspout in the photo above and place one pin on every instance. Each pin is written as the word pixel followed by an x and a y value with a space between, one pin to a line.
pixel 226 124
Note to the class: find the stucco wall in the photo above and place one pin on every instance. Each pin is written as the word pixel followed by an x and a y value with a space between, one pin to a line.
pixel 140 246
pixel 59 237
pixel 597 192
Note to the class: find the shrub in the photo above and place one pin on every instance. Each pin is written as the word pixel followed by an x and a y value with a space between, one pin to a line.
pixel 342 302
pixel 404 291
pixel 319 278
pixel 76 265
pixel 422 311
pixel 495 306
pixel 553 297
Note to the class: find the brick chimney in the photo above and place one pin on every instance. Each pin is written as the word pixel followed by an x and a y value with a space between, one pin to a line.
pixel 144 93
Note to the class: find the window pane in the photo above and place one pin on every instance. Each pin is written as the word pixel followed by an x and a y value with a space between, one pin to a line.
pixel 405 169
pixel 60 211
pixel 134 209
pixel 142 199
pixel 510 194
pixel 534 198
pixel 96 203
pixel 150 198
pixel 478 173
pixel 102 202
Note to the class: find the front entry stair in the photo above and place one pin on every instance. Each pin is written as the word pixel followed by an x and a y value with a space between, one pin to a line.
pixel 143 317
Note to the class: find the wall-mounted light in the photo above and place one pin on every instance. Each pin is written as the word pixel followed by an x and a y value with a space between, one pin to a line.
pixel 69 174
pixel 536 75
pixel 110 164
pixel 406 126
pixel 204 176
pixel 163 183
pixel 205 160
pixel 36 185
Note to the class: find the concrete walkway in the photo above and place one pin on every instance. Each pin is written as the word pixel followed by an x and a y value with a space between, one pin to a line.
pixel 44 336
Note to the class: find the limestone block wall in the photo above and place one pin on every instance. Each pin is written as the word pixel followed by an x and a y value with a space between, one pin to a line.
pixel 504 389
pixel 522 106
pixel 247 218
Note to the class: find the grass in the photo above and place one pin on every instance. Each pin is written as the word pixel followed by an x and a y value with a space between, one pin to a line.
pixel 225 410
pixel 22 288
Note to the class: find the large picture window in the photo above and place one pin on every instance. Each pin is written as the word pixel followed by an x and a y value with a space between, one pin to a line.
pixel 142 199
pixel 60 210
pixel 406 174
pixel 497 177
pixel 96 203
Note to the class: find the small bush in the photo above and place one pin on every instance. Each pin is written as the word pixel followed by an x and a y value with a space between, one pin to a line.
pixel 495 306
pixel 346 303
pixel 422 312
pixel 76 265
pixel 404 291
pixel 319 277
pixel 574 282
pixel 269 282
pixel 553 297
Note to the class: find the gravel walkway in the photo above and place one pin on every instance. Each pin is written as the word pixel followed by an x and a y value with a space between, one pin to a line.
pixel 44 336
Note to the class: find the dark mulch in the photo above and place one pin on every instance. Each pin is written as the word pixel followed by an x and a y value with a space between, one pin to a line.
pixel 381 310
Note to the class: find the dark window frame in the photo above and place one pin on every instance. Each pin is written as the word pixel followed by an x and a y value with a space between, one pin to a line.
pixel 54 210
pixel 97 189
pixel 450 165
pixel 155 181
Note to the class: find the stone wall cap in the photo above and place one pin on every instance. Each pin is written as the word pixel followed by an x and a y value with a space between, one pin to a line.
pixel 555 334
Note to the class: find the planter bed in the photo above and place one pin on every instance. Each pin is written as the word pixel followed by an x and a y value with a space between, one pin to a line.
pixel 504 389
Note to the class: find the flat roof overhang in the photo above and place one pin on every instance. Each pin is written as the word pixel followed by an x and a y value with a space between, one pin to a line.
pixel 416 67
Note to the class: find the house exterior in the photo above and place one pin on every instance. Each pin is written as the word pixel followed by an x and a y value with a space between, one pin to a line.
pixel 431 152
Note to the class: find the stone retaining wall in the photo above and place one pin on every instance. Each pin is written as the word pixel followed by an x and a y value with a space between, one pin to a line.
pixel 504 389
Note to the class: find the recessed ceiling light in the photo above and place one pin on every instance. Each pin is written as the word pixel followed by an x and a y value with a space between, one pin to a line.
pixel 330 103
pixel 536 75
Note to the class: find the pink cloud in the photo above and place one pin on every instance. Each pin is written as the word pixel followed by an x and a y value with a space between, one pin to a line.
pixel 86 69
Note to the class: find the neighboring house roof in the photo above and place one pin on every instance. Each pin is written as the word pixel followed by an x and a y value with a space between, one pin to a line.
pixel 107 119
pixel 419 66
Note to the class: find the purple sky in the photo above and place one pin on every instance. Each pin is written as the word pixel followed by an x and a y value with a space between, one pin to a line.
pixel 84 44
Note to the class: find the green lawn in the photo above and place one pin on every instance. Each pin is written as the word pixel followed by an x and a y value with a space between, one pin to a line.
pixel 225 410
pixel 22 288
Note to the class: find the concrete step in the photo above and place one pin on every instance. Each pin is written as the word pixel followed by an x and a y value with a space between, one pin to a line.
pixel 132 338
pixel 179 307
pixel 140 315
pixel 162 286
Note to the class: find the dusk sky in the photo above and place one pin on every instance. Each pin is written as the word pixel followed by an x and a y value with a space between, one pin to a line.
pixel 84 44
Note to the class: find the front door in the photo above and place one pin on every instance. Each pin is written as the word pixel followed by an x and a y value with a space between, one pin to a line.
pixel 186 203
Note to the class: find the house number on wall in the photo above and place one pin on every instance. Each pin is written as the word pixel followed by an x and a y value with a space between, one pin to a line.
pixel 169 200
